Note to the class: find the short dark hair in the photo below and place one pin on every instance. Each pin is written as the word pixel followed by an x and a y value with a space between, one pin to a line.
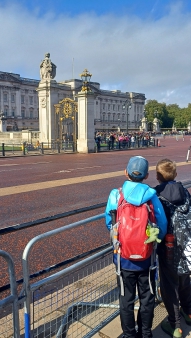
pixel 135 179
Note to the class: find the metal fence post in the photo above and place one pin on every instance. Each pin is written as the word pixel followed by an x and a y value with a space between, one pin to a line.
pixel 42 149
pixel 58 143
pixel 14 295
pixel 23 148
pixel 3 149
pixel 188 154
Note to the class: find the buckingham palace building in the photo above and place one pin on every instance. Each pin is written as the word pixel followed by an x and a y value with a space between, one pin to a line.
pixel 113 109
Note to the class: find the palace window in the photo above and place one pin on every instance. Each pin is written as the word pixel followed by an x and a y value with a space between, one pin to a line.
pixel 12 98
pixel 31 100
pixel 23 113
pixel 5 97
pixel 31 114
pixel 22 99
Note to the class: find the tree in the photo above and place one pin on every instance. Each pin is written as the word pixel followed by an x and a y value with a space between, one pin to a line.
pixel 155 109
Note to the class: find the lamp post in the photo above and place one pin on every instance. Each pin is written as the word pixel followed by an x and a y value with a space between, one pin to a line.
pixel 86 76
pixel 127 106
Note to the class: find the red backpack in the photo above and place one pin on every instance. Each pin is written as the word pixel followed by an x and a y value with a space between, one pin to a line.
pixel 132 225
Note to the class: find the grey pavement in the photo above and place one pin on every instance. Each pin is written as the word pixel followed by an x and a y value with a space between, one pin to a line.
pixel 113 329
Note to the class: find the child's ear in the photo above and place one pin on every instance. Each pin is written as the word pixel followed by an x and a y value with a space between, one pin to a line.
pixel 126 173
pixel 147 175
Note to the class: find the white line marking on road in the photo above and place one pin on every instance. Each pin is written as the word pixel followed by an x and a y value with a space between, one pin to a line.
pixel 63 171
pixel 69 170
pixel 7 170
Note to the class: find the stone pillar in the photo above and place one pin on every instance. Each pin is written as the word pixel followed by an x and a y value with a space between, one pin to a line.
pixel 48 96
pixel 144 124
pixel 156 126
pixel 86 129
pixel 189 127
pixel 3 124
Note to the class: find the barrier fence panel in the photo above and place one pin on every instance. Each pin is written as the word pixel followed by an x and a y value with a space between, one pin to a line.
pixel 74 302
pixel 78 301
pixel 9 318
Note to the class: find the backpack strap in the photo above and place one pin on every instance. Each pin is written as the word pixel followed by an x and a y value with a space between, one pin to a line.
pixel 118 270
pixel 153 265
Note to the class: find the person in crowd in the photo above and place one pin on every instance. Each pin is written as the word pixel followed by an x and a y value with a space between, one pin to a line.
pixel 98 141
pixel 112 139
pixel 132 141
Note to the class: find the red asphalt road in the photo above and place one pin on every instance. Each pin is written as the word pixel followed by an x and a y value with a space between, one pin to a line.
pixel 28 206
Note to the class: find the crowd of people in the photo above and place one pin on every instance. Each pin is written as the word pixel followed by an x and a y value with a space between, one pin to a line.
pixel 121 140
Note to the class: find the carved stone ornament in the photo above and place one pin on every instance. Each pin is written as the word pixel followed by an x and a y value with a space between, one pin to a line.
pixel 47 68
pixel 43 102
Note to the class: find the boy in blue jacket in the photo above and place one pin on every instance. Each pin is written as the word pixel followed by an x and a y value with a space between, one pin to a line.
pixel 136 273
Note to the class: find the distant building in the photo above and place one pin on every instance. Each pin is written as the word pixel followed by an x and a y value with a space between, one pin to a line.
pixel 19 103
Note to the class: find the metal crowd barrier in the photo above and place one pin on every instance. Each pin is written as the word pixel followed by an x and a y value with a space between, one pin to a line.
pixel 9 324
pixel 75 302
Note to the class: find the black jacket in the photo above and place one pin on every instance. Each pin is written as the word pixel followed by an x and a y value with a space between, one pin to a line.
pixel 174 192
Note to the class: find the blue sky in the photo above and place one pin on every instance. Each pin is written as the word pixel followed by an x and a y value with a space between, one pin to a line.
pixel 142 8
pixel 129 45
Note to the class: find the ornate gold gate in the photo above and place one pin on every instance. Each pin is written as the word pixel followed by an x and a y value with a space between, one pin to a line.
pixel 66 121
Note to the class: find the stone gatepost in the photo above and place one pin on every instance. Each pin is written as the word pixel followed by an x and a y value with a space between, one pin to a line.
pixel 86 129
pixel 144 124
pixel 156 125
pixel 189 127
pixel 48 96
pixel 3 124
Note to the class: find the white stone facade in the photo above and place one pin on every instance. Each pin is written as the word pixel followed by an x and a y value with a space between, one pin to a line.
pixel 20 105
pixel 19 101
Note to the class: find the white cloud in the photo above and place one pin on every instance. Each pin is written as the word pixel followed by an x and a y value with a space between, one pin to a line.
pixel 125 53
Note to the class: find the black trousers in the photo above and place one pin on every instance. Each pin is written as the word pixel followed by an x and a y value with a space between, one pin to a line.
pixel 175 291
pixel 140 279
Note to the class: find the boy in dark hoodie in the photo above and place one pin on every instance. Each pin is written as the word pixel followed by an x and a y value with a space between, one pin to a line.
pixel 175 289
pixel 136 273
